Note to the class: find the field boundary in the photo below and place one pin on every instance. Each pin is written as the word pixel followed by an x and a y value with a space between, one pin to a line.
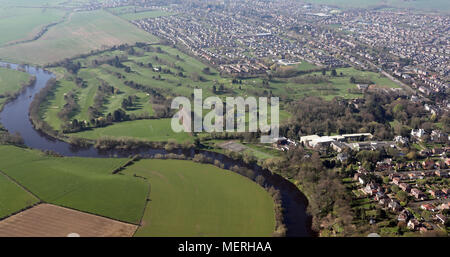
pixel 147 200
pixel 126 164
pixel 65 224
pixel 21 186
pixel 40 201
pixel 26 190
pixel 39 34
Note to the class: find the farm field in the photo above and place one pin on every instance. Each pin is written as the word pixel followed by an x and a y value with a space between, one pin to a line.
pixel 12 197
pixel 439 5
pixel 84 184
pixel 11 81
pixel 130 13
pixel 214 202
pixel 80 33
pixel 18 24
pixel 143 15
pixel 46 220
pixel 154 130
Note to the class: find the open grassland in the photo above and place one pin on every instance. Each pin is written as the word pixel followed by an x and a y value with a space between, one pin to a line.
pixel 155 130
pixel 136 13
pixel 212 201
pixel 191 199
pixel 143 15
pixel 421 5
pixel 34 3
pixel 46 220
pixel 328 86
pixel 85 184
pixel 19 24
pixel 80 33
pixel 259 151
pixel 12 197
pixel 12 80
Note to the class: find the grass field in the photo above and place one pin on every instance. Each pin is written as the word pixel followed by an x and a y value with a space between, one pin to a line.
pixel 12 80
pixel 437 5
pixel 191 199
pixel 142 15
pixel 18 24
pixel 85 184
pixel 155 130
pixel 80 33
pixel 12 197
pixel 212 201
pixel 331 87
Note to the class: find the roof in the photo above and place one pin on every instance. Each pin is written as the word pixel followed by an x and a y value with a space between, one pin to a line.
pixel 310 137
pixel 357 135
pixel 323 140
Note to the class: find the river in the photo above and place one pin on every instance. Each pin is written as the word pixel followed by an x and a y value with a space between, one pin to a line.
pixel 14 117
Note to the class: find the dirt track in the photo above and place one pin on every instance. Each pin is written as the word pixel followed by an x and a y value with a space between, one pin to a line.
pixel 46 220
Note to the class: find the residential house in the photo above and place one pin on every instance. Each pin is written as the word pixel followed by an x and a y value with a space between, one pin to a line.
pixel 428 164
pixel 395 206
pixel 396 180
pixel 441 173
pixel 413 224
pixel 436 193
pixel 428 207
pixel 371 188
pixel 418 133
pixel 342 157
pixel 417 194
pixel 404 216
pixel 441 218
pixel 405 187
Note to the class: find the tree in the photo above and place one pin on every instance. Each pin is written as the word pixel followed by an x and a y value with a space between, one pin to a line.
pixel 402 196
pixel 260 180
pixel 206 70
pixel 395 188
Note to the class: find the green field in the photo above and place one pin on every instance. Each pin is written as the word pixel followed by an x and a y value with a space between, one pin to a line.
pixel 155 130
pixel 80 33
pixel 212 201
pixel 84 184
pixel 305 66
pixel 191 199
pixel 18 24
pixel 142 15
pixel 435 5
pixel 12 80
pixel 13 198
pixel 290 88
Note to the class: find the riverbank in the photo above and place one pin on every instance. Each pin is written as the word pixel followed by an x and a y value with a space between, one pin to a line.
pixel 15 118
